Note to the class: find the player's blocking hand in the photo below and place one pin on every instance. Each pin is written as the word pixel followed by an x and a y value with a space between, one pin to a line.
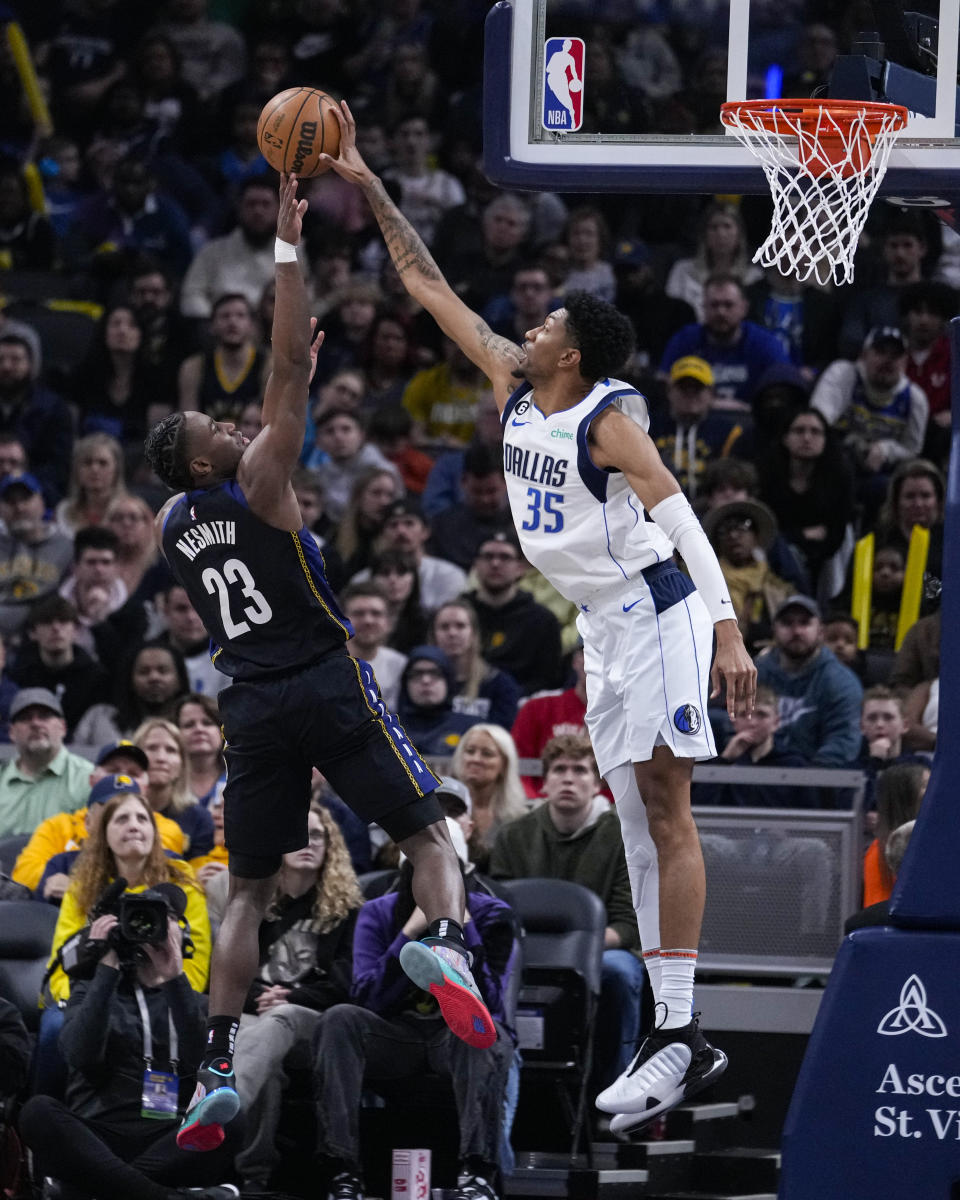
pixel 292 210
pixel 349 162
pixel 735 667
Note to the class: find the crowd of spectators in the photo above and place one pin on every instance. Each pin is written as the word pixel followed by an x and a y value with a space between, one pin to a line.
pixel 797 419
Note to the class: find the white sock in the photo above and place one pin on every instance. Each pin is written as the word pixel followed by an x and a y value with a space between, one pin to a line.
pixel 642 866
pixel 677 968
pixel 651 963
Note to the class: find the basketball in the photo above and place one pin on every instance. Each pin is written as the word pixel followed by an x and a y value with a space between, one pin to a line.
pixel 295 128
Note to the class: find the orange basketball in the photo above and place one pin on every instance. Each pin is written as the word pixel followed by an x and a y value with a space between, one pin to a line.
pixel 295 128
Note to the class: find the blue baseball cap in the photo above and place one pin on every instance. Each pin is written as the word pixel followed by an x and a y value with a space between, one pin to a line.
pixel 631 252
pixel 112 785
pixel 22 479
pixel 126 748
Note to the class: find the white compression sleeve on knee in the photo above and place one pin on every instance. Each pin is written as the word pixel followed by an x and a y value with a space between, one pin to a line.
pixel 642 866
pixel 679 522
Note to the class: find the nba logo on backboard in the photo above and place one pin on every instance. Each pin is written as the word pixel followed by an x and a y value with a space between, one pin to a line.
pixel 563 84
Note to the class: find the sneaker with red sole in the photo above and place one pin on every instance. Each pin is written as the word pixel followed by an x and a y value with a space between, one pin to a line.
pixel 443 971
pixel 213 1104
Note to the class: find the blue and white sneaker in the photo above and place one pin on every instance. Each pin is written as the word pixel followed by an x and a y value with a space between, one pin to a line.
pixel 443 971
pixel 213 1104
pixel 671 1066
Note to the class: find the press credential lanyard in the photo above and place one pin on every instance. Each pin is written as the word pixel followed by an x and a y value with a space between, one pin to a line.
pixel 160 1088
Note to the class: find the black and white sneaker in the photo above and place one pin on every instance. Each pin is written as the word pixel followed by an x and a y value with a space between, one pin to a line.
pixel 670 1066
pixel 345 1186
pixel 473 1187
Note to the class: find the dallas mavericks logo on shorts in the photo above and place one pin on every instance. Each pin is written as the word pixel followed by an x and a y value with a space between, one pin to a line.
pixel 687 719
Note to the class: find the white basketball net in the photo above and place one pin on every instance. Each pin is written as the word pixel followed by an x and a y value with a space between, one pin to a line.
pixel 820 200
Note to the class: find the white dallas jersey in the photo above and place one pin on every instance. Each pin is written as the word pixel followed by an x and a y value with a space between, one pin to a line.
pixel 582 527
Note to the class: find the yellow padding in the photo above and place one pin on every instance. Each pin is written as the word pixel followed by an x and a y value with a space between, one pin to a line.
pixel 862 588
pixel 20 52
pixel 912 593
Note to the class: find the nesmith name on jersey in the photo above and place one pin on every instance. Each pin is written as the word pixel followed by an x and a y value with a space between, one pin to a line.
pixel 534 466
pixel 207 533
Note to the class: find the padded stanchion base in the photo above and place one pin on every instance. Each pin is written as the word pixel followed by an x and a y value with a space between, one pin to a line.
pixel 876 1110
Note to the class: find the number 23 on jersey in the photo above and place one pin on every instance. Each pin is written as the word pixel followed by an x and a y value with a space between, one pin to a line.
pixel 257 610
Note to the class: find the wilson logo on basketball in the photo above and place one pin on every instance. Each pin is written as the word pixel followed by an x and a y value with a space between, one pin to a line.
pixel 308 135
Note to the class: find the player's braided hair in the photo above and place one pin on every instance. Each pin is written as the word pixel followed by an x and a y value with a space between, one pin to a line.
pixel 166 452
pixel 603 335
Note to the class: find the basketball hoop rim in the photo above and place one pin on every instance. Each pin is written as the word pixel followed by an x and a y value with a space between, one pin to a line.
pixel 807 113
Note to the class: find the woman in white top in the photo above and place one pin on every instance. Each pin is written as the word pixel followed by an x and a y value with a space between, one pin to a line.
pixel 96 478
pixel 722 246
pixel 587 237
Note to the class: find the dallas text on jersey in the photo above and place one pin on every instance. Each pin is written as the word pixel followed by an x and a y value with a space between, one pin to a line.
pixel 534 466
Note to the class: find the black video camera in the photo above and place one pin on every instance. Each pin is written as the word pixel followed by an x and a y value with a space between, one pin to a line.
pixel 141 921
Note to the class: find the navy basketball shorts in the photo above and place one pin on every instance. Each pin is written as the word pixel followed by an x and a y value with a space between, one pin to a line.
pixel 329 715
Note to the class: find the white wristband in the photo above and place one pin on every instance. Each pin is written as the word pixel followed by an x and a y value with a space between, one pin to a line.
pixel 284 251
pixel 679 522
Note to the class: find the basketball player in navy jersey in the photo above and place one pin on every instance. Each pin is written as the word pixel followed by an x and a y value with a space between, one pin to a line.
pixel 582 476
pixel 234 539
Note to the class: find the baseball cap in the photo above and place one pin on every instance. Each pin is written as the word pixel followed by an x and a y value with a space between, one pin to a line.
pixel 28 697
pixel 503 538
pixel 21 479
pixel 798 601
pixel 454 795
pixel 692 367
pixel 112 785
pixel 125 747
pixel 885 337
pixel 407 506
pixel 631 252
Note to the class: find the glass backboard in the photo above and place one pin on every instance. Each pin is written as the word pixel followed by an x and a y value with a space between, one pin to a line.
pixel 624 95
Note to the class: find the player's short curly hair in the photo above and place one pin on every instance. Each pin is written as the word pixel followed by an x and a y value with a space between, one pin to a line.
pixel 166 451
pixel 603 335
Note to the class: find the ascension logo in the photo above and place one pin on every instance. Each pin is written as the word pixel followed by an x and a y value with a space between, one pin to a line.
pixel 687 719
pixel 912 1014
pixel 521 407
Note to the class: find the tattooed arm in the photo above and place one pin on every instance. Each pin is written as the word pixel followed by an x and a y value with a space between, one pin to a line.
pixel 495 356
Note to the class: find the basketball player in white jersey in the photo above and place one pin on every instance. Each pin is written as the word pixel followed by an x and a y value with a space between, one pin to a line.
pixel 599 515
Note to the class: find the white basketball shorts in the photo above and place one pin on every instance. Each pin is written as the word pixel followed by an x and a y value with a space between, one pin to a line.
pixel 648 671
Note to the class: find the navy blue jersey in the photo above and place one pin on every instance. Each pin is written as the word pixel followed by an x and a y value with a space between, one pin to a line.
pixel 261 592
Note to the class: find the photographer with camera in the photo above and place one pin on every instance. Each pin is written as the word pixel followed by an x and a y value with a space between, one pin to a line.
pixel 125 845
pixel 132 1039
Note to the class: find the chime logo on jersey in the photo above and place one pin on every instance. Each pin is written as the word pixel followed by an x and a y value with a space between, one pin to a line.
pixel 562 84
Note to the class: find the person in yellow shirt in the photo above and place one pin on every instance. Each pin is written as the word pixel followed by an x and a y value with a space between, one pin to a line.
pixel 206 866
pixel 64 832
pixel 125 844
pixel 443 399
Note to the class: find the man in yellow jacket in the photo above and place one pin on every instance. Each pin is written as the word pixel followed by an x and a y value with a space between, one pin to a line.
pixel 65 831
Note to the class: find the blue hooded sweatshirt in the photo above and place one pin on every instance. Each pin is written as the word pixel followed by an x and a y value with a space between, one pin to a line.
pixel 437 729
pixel 819 708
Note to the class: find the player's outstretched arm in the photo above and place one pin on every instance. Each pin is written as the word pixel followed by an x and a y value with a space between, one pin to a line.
pixel 617 441
pixel 267 463
pixel 286 389
pixel 495 356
